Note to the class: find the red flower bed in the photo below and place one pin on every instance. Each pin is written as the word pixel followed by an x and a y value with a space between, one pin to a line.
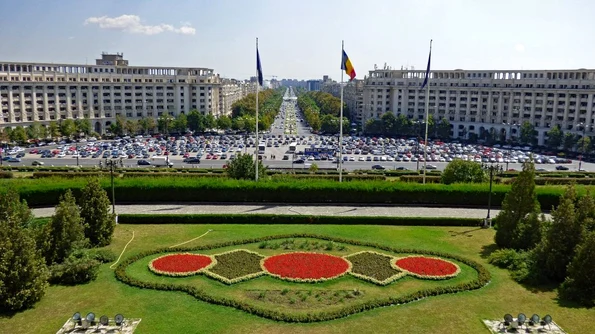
pixel 180 264
pixel 428 267
pixel 305 267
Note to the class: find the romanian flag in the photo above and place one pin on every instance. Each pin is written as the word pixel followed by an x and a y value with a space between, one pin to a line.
pixel 347 67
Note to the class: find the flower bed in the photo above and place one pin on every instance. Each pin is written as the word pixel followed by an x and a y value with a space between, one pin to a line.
pixel 374 267
pixel 236 266
pixel 427 267
pixel 183 264
pixel 305 267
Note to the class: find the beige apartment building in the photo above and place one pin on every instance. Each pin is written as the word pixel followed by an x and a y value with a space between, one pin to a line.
pixel 352 96
pixel 45 92
pixel 475 101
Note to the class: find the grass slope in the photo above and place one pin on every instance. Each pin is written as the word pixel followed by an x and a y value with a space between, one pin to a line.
pixel 173 312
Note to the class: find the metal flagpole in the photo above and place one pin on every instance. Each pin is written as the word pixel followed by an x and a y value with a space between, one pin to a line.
pixel 257 88
pixel 427 119
pixel 341 122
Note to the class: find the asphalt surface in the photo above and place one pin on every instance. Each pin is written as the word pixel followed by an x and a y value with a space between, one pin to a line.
pixel 286 209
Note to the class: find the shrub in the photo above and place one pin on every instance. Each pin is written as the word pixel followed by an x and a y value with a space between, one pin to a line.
pixel 243 167
pixel 519 263
pixel 6 175
pixel 102 255
pixel 76 269
pixel 461 171
pixel 420 178
pixel 95 211
pixel 580 282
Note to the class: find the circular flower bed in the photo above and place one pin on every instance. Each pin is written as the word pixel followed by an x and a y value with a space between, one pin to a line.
pixel 305 267
pixel 185 264
pixel 427 267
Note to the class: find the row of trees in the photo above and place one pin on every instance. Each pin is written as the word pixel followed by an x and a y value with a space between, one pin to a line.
pixel 538 250
pixel 322 110
pixel 244 110
pixel 391 125
pixel 556 139
pixel 36 130
pixel 35 254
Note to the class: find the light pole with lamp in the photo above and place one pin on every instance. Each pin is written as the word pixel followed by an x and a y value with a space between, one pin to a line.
pixel 492 170
pixel 580 161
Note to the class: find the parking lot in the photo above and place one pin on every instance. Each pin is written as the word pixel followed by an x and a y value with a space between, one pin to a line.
pixel 289 144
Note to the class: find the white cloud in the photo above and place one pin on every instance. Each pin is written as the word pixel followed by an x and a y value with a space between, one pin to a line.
pixel 519 47
pixel 132 24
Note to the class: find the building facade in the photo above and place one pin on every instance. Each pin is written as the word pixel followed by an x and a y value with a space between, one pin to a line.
pixel 44 92
pixel 477 101
pixel 230 91
pixel 313 85
pixel 353 96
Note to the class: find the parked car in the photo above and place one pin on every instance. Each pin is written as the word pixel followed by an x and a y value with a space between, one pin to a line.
pixel 14 160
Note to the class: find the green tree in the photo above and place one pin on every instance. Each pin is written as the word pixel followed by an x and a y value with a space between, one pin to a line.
pixel 569 141
pixel 34 130
pixel 196 121
pixel 579 285
pixel 18 135
pixel 461 171
pixel 12 208
pixel 237 123
pixel 519 224
pixel 83 125
pixel 527 136
pixel 95 211
pixel 164 123
pixel 224 122
pixel 389 124
pixel 555 252
pixel 554 138
pixel 54 129
pixel 67 127
pixel 147 124
pixel 443 129
pixel 210 121
pixel 181 123
pixel 23 273
pixel 131 127
pixel 583 145
pixel 65 232
pixel 373 127
pixel 242 166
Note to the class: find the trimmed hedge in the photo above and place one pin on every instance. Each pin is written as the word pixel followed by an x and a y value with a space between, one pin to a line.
pixel 6 175
pixel 224 190
pixel 182 174
pixel 345 177
pixel 420 178
pixel 293 219
pixel 483 278
pixel 40 175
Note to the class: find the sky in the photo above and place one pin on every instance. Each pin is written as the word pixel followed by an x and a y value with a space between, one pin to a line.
pixel 302 39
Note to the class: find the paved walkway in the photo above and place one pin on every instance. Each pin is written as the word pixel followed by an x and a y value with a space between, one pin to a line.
pixel 285 209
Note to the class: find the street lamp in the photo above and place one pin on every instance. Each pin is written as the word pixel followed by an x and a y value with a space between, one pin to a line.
pixel 77 155
pixel 580 161
pixel 493 169
pixel 113 164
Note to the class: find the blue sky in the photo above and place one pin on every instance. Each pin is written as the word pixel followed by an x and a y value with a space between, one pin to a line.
pixel 302 39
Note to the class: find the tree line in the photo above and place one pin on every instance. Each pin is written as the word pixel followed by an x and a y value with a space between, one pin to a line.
pixel 394 126
pixel 61 250
pixel 322 110
pixel 244 110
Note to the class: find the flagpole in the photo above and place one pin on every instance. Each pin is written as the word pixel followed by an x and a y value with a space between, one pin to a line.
pixel 427 119
pixel 341 123
pixel 257 88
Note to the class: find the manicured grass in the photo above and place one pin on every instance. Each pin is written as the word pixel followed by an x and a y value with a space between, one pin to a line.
pixel 175 312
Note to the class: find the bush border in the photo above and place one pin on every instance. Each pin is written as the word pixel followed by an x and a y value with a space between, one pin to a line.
pixel 483 278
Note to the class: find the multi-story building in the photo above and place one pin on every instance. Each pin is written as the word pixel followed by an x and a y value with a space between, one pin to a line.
pixel 313 85
pixel 44 92
pixel 230 91
pixel 475 101
pixel 352 96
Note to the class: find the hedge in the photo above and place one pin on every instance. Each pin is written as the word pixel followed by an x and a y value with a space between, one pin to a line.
pixel 420 178
pixel 345 177
pixel 182 174
pixel 39 175
pixel 224 190
pixel 6 175
pixel 483 278
pixel 293 219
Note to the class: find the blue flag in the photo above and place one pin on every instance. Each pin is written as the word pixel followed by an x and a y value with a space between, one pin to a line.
pixel 428 69
pixel 259 68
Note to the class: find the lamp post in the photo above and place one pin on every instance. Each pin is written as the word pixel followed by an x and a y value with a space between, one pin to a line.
pixel 77 155
pixel 112 163
pixel 580 161
pixel 492 169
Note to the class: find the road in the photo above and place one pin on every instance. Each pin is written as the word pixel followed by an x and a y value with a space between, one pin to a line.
pixel 285 209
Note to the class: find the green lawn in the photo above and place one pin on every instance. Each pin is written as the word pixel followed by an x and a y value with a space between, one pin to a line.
pixel 176 312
